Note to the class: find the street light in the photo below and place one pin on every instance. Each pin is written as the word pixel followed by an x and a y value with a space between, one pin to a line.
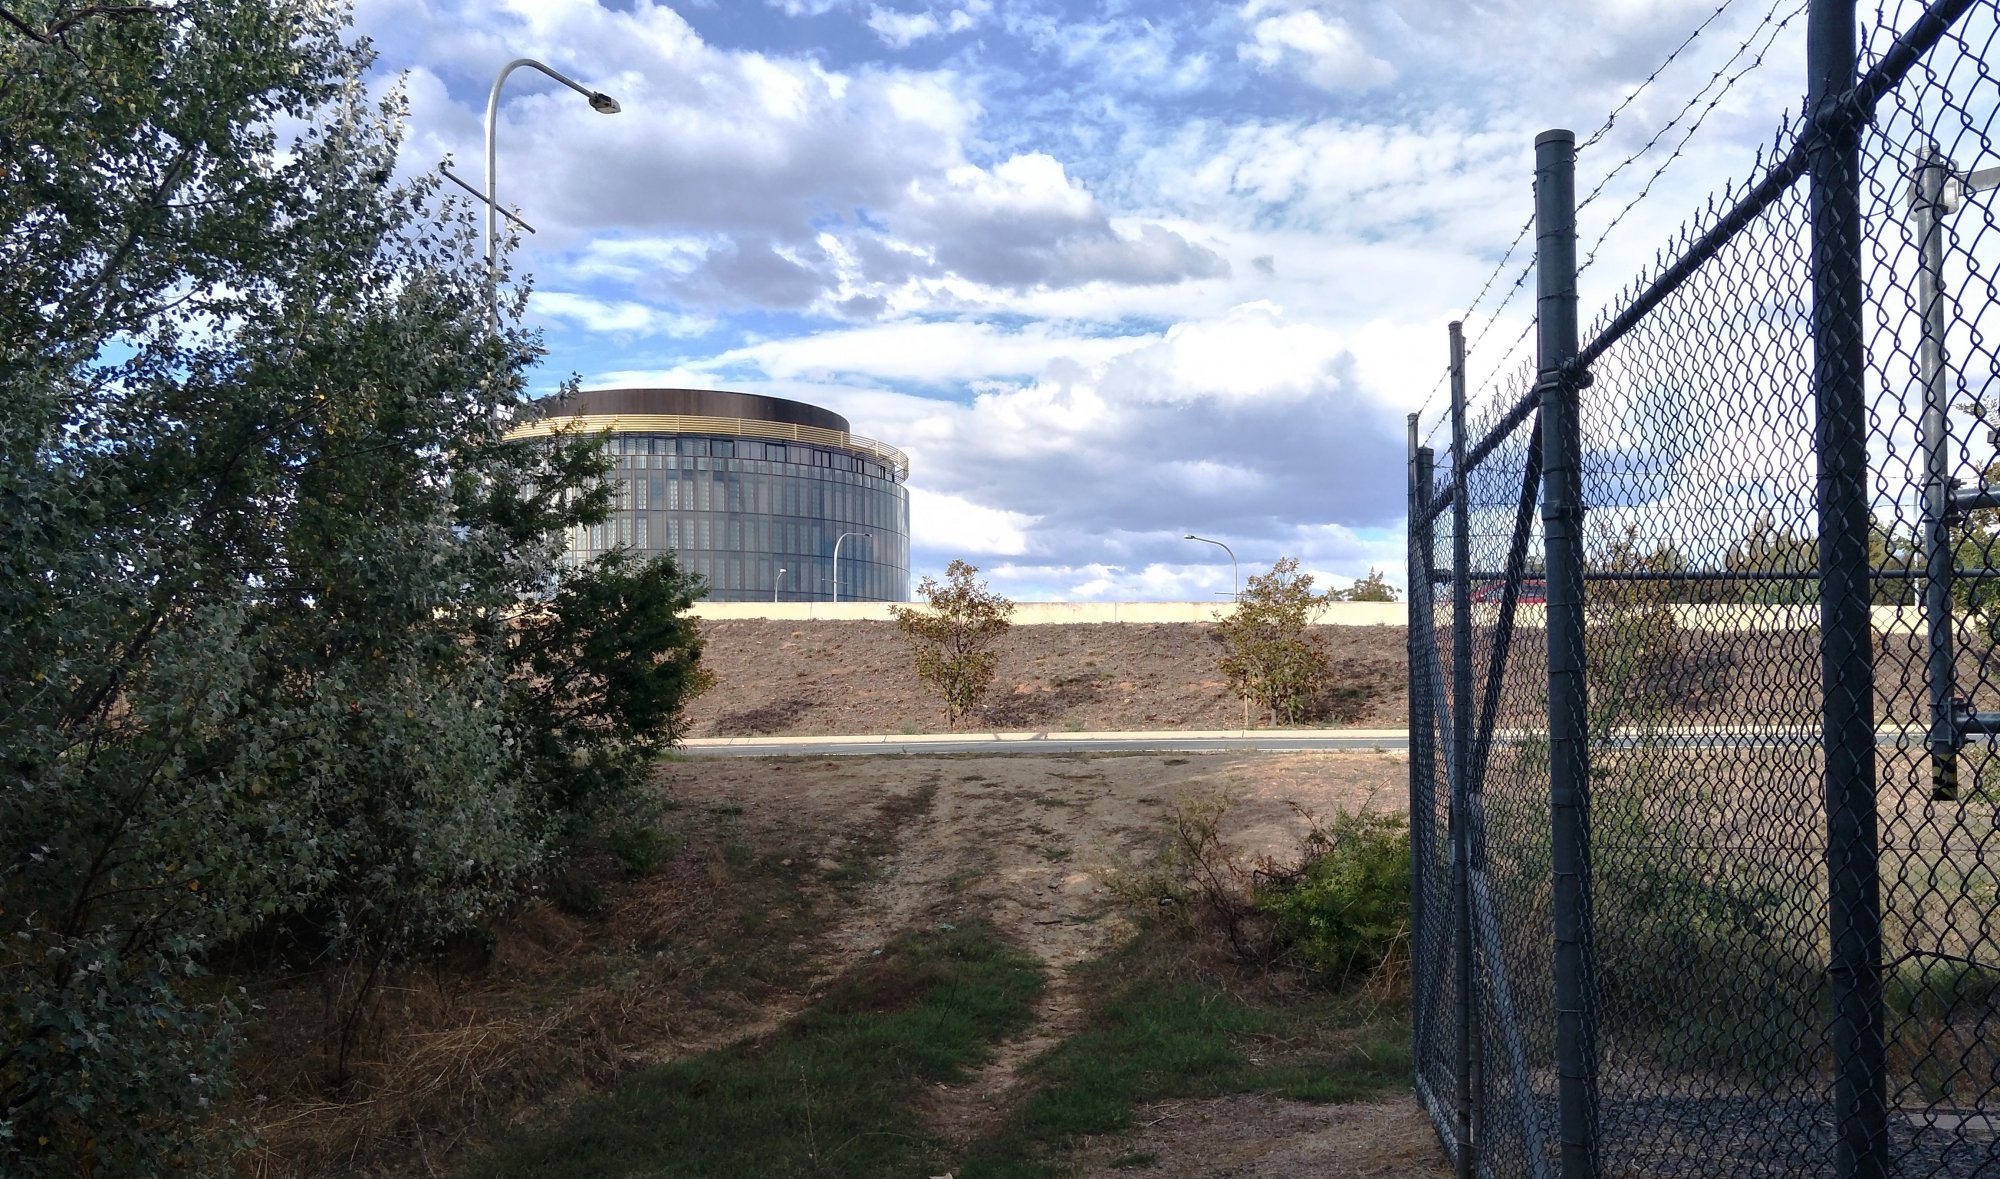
pixel 603 104
pixel 1235 577
pixel 775 584
pixel 836 560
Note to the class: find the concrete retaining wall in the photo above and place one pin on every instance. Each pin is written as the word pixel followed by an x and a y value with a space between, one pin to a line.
pixel 1039 613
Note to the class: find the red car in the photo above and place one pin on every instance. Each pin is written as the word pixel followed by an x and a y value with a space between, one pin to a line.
pixel 1536 592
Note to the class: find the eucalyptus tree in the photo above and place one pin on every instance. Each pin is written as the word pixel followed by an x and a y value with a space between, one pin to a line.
pixel 286 648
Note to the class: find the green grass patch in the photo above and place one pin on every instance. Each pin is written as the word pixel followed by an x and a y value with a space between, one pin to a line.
pixel 1161 1028
pixel 831 1095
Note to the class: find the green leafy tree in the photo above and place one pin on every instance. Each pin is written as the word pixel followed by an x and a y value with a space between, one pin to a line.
pixel 1632 636
pixel 264 540
pixel 1373 588
pixel 611 661
pixel 1770 549
pixel 953 641
pixel 1272 656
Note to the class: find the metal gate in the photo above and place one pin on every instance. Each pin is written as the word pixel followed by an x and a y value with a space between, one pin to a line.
pixel 1702 623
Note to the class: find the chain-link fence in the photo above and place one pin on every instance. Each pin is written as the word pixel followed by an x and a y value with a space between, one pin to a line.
pixel 1705 665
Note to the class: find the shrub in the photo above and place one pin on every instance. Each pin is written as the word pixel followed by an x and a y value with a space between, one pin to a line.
pixel 1632 637
pixel 1338 908
pixel 1345 907
pixel 1373 588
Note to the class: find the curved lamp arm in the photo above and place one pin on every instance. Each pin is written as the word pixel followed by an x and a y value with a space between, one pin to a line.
pixel 599 102
pixel 1236 592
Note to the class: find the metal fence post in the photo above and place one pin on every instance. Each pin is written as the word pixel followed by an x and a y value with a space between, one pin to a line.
pixel 1423 764
pixel 1424 652
pixel 1861 1140
pixel 1569 722
pixel 1461 759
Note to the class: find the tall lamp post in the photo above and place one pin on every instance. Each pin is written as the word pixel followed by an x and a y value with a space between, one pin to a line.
pixel 601 103
pixel 775 584
pixel 1236 578
pixel 836 559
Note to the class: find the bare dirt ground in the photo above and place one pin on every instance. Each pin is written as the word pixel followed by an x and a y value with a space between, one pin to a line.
pixel 816 678
pixel 820 678
pixel 1029 843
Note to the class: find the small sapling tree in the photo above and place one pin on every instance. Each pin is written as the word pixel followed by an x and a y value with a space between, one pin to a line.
pixel 1272 657
pixel 953 640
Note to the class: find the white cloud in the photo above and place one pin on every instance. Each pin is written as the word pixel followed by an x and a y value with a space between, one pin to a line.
pixel 923 352
pixel 1244 425
pixel 602 315
pixel 1322 49
pixel 1252 353
pixel 955 524
pixel 899 30
pixel 1154 582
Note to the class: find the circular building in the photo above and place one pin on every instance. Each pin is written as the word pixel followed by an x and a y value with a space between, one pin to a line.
pixel 756 494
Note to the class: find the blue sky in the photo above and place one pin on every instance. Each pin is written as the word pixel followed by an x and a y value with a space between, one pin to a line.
pixel 1111 271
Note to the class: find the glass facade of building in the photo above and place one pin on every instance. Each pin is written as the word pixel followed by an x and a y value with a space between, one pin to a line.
pixel 757 516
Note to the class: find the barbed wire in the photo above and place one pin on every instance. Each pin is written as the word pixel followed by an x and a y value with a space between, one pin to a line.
pixel 1695 99
pixel 1520 235
pixel 1688 135
pixel 1612 118
pixel 1597 136
pixel 1520 281
pixel 1492 383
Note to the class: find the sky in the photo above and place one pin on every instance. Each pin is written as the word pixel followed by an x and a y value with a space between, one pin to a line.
pixel 1109 271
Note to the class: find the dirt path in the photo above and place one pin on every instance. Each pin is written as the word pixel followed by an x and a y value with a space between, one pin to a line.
pixel 1027 841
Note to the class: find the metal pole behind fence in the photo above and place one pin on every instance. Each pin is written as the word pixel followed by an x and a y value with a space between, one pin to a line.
pixel 1569 723
pixel 1461 746
pixel 1928 206
pixel 1861 1140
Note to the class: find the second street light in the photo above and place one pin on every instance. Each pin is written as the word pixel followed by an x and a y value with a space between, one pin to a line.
pixel 602 103
pixel 1236 578
pixel 836 559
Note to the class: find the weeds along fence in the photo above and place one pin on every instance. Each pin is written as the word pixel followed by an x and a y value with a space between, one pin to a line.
pixel 1707 879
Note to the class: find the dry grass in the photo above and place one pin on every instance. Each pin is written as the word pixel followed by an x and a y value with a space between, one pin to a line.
pixel 784 874
pixel 559 1006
